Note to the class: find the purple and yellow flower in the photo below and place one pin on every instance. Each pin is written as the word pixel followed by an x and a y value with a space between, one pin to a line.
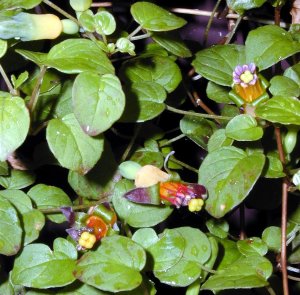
pixel 246 82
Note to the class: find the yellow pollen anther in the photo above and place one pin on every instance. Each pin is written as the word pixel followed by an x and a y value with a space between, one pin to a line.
pixel 87 240
pixel 246 77
pixel 195 205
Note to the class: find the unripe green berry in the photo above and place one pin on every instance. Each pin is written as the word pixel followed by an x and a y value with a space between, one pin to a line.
pixel 129 169
pixel 69 27
pixel 290 139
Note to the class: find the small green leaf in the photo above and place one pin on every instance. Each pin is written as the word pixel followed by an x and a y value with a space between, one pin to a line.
pixel 272 237
pixel 137 215
pixel 73 148
pixel 241 5
pixel 145 237
pixel 199 130
pixel 14 124
pixel 145 157
pixel 273 167
pixel 17 179
pixel 172 42
pixel 114 267
pixel 160 69
pixel 46 196
pixel 17 82
pixel 38 58
pixel 63 104
pixel 247 272
pixel 13 4
pixel 154 18
pixel 144 101
pixel 293 73
pixel 10 229
pixel 3 47
pixel 243 128
pixel 267 45
pixel 229 175
pixel 4 170
pixel 217 140
pixel 39 267
pixel 105 23
pixel 218 227
pixel 78 288
pixel 64 247
pixel 33 221
pixel 217 63
pixel 98 101
pixel 98 180
pixel 252 246
pixel 280 109
pixel 284 86
pixel 217 93
pixel 86 19
pixel 78 55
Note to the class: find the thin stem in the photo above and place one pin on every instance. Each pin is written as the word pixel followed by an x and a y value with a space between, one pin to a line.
pixel 102 4
pixel 209 23
pixel 188 167
pixel 277 15
pixel 61 11
pixel 294 278
pixel 134 32
pixel 140 37
pixel 174 110
pixel 172 140
pixel 131 143
pixel 207 269
pixel 232 32
pixel 75 208
pixel 270 290
pixel 7 81
pixel 283 259
pixel 36 91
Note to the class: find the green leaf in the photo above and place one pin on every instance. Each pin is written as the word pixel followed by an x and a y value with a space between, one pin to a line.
pixel 293 73
pixel 39 267
pixel 14 124
pixel 229 175
pixel 78 55
pixel 145 157
pixel 98 180
pixel 172 42
pixel 4 168
pixel 31 219
pixel 241 5
pixel 217 140
pixel 145 237
pixel 144 101
pixel 73 148
pixel 272 237
pixel 252 246
pixel 217 93
pixel 199 130
pixel 218 227
pixel 63 104
pixel 38 58
pixel 273 167
pixel 10 229
pixel 280 109
pixel 160 69
pixel 197 250
pixel 78 288
pixel 243 128
pixel 154 18
pixel 137 215
pixel 46 196
pixel 267 45
pixel 13 4
pixel 98 101
pixel 64 248
pixel 17 82
pixel 3 47
pixel 17 179
pixel 115 266
pixel 167 251
pixel 247 272
pixel 105 23
pixel 217 63
pixel 284 86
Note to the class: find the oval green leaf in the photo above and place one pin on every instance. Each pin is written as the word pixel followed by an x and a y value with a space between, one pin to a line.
pixel 241 5
pixel 39 267
pixel 217 140
pixel 78 55
pixel 280 109
pixel 243 128
pixel 252 246
pixel 14 124
pixel 46 196
pixel 114 267
pixel 272 237
pixel 137 215
pixel 217 63
pixel 154 18
pixel 284 86
pixel 98 101
pixel 218 93
pixel 73 148
pixel 17 179
pixel 13 4
pixel 229 175
pixel 105 23
pixel 10 229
